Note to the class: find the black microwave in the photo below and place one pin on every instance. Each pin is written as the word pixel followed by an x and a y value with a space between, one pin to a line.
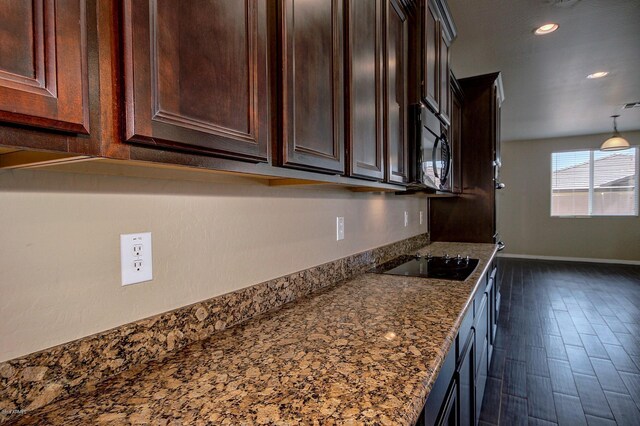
pixel 432 167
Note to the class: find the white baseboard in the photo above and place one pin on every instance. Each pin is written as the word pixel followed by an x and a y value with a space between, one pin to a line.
pixel 569 259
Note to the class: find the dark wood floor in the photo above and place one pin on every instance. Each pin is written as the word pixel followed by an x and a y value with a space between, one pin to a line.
pixel 567 346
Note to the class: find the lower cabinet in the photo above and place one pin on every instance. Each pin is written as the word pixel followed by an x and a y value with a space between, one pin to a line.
pixel 456 396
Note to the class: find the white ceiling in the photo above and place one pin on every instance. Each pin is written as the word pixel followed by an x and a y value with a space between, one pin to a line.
pixel 547 93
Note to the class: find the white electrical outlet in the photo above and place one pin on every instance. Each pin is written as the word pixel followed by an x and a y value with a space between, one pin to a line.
pixel 421 217
pixel 406 218
pixel 339 228
pixel 136 259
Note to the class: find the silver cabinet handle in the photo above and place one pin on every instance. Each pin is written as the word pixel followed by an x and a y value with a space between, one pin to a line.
pixel 500 185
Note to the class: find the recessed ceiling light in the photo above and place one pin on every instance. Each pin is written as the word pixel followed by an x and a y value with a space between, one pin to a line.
pixel 546 29
pixel 598 74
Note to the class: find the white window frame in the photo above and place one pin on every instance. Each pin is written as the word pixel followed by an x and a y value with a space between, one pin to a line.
pixel 591 189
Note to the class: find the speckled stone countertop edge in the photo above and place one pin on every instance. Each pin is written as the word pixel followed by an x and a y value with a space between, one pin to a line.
pixel 81 409
pixel 40 378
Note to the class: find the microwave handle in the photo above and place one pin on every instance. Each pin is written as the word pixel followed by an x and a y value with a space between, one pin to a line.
pixel 433 157
pixel 447 166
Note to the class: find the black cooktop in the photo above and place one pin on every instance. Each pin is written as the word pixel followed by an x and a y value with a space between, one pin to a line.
pixel 446 268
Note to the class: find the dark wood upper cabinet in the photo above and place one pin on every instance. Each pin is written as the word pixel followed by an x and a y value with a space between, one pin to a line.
pixel 455 136
pixel 396 72
pixel 43 64
pixel 438 32
pixel 311 50
pixel 430 66
pixel 364 94
pixel 196 76
pixel 472 217
pixel 444 96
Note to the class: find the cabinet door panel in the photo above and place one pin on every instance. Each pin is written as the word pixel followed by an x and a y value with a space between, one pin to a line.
pixel 482 349
pixel 481 330
pixel 43 64
pixel 313 105
pixel 364 93
pixel 396 94
pixel 481 382
pixel 466 385
pixel 431 34
pixel 440 390
pixel 444 91
pixel 196 75
pixel 449 414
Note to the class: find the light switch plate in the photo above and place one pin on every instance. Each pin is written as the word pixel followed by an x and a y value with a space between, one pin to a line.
pixel 406 218
pixel 421 217
pixel 136 258
pixel 339 228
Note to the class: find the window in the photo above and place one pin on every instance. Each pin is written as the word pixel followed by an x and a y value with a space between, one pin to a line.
pixel 594 183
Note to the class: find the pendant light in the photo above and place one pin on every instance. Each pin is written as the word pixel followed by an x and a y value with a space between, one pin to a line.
pixel 615 142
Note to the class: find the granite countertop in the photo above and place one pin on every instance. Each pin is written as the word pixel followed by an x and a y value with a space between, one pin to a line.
pixel 365 351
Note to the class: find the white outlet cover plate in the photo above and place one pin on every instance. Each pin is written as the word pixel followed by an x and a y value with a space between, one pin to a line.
pixel 339 228
pixel 406 218
pixel 421 217
pixel 131 254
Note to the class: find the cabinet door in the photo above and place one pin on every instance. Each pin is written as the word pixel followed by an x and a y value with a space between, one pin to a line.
pixel 443 75
pixel 312 87
pixel 396 66
pixel 449 414
pixel 196 75
pixel 466 386
pixel 481 328
pixel 440 391
pixel 495 158
pixel 493 314
pixel 496 291
pixel 43 64
pixel 482 366
pixel 431 36
pixel 490 292
pixel 455 132
pixel 364 88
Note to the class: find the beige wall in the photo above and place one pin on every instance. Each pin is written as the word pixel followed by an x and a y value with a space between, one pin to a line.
pixel 60 261
pixel 524 207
